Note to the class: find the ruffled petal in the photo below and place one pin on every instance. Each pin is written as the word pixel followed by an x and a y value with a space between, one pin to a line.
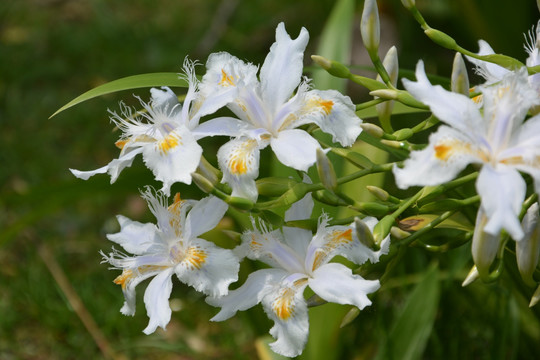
pixel 455 109
pixel 239 161
pixel 502 191
pixel 129 279
pixel 295 148
pixel 204 216
pixel 336 283
pixel 173 158
pixel 207 268
pixel 334 113
pixel 134 236
pixel 448 152
pixel 156 299
pixel 247 295
pixel 282 68
pixel 285 305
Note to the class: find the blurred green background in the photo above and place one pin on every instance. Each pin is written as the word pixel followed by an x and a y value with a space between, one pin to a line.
pixel 53 224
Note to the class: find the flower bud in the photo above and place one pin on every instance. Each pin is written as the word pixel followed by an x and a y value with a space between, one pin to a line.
pixel 391 65
pixel 378 192
pixel 370 27
pixel 364 234
pixel 372 129
pixel 399 234
pixel 327 175
pixel 202 183
pixel 382 229
pixel 208 171
pixel 403 134
pixel 333 67
pixel 484 246
pixel 274 186
pixel 528 248
pixel 388 94
pixel 349 317
pixel 460 79
pixel 471 277
pixel 441 38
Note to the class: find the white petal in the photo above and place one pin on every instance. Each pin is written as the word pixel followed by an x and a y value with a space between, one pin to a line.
pixel 204 216
pixel 165 101
pixel 287 307
pixel 502 192
pixel 134 236
pixel 208 268
pixel 247 295
pixel 335 114
pixel 129 279
pixel 270 248
pixel 299 239
pixel 295 148
pixel 336 283
pixel 447 153
pixel 173 158
pixel 282 68
pixel 223 126
pixel 156 299
pixel 454 109
pixel 239 161
pixel 114 168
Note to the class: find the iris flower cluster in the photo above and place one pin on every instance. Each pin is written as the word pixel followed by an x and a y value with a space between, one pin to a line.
pixel 493 128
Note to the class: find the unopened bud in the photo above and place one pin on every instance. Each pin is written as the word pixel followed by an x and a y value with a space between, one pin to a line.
pixel 528 248
pixel 460 79
pixel 378 192
pixel 333 67
pixel 403 134
pixel 208 171
pixel 364 234
pixel 388 94
pixel 202 183
pixel 370 27
pixel 315 300
pixel 391 65
pixel 372 129
pixel 441 38
pixel 472 276
pixel 327 175
pixel 382 229
pixel 239 203
pixel 399 234
pixel 350 316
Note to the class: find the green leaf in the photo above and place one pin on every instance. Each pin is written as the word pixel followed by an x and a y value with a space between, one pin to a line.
pixel 411 329
pixel 335 44
pixel 127 83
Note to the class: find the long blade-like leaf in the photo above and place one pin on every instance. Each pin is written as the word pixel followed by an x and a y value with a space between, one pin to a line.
pixel 127 83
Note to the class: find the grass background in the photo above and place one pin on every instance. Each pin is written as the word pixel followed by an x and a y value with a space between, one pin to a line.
pixel 54 50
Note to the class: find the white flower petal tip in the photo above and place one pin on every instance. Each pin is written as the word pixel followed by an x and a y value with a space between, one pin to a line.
pixel 171 246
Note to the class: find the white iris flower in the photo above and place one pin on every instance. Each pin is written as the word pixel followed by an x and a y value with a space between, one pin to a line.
pixel 168 138
pixel 495 137
pixel 299 259
pixel 269 114
pixel 171 247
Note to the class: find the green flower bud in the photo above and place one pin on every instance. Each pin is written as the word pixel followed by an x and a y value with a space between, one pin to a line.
pixel 441 38
pixel 350 316
pixel 202 183
pixel 364 234
pixel 274 186
pixel 535 298
pixel 326 172
pixel 403 134
pixel 484 246
pixel 409 4
pixel 528 248
pixel 382 229
pixel 372 129
pixel 472 276
pixel 333 67
pixel 399 234
pixel 378 192
pixel 208 171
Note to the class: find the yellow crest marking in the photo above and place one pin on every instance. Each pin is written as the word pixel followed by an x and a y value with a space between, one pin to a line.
pixel 195 257
pixel 226 79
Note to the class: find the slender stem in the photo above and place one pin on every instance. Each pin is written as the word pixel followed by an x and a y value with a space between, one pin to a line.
pixel 369 104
